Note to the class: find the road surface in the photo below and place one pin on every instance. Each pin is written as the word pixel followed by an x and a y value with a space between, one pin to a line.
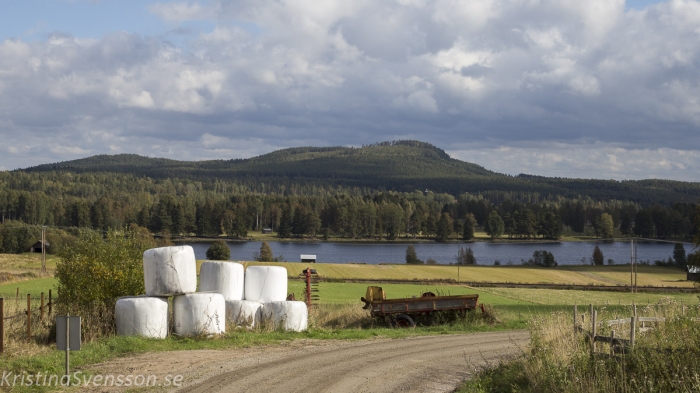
pixel 415 364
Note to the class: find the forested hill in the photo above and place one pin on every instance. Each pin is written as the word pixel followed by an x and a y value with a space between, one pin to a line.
pixel 401 166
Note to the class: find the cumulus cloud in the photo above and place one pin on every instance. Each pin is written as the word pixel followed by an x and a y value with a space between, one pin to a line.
pixel 532 80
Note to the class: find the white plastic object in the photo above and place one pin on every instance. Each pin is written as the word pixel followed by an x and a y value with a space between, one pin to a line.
pixel 266 284
pixel 244 313
pixel 287 315
pixel 226 278
pixel 201 313
pixel 169 271
pixel 142 316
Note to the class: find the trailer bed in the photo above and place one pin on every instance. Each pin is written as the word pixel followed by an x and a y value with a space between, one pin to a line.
pixel 423 304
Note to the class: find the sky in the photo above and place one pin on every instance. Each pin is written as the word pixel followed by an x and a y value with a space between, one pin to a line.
pixel 566 88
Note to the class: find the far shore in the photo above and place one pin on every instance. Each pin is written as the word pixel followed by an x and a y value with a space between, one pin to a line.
pixel 479 237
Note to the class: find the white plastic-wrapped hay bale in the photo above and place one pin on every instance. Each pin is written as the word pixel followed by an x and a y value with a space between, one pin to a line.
pixel 169 271
pixel 244 313
pixel 288 315
pixel 226 278
pixel 201 313
pixel 142 316
pixel 266 284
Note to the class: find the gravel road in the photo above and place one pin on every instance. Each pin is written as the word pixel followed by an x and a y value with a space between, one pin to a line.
pixel 416 364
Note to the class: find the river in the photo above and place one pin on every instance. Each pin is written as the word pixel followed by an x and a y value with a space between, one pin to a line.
pixel 565 253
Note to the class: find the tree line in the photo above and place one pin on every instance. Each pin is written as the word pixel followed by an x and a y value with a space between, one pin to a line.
pixel 385 215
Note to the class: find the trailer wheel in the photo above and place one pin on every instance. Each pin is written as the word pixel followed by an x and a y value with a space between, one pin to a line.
pixel 404 321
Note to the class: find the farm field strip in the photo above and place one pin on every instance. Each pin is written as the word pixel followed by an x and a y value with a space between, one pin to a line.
pixel 565 275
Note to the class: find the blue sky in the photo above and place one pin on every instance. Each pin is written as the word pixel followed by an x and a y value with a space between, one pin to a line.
pixel 570 88
pixel 35 19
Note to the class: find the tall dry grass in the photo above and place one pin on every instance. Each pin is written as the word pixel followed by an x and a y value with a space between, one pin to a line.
pixel 665 359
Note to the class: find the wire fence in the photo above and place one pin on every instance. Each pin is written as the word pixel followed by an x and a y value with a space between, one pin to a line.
pixel 26 318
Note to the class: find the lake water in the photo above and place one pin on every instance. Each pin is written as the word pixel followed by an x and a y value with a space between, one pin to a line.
pixel 565 253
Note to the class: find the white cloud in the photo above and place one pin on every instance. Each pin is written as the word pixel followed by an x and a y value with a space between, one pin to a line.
pixel 500 73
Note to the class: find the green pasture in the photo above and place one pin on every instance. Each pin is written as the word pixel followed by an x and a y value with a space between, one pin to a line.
pixel 33 287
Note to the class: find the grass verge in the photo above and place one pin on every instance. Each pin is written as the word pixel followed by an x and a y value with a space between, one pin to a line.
pixel 663 360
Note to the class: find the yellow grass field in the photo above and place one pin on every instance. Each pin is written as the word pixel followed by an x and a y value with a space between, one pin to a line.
pixel 565 275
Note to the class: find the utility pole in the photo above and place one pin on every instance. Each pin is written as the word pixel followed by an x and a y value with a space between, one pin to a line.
pixel 636 266
pixel 43 249
pixel 633 266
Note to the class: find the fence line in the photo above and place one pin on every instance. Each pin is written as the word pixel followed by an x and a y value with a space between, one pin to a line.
pixel 613 340
pixel 29 313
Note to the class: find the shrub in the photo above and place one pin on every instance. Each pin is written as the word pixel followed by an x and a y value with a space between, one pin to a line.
pixel 96 269
pixel 542 258
pixel 219 251
pixel 465 256
pixel 411 256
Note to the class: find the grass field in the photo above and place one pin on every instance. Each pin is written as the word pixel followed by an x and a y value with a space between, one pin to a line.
pixel 565 275
pixel 513 308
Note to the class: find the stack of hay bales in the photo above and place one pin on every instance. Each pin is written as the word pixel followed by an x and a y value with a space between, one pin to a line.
pixel 267 286
pixel 171 271
pixel 225 292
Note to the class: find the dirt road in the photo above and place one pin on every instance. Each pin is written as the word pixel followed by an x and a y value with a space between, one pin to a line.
pixel 417 364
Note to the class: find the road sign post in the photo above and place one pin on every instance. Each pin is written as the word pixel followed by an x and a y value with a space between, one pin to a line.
pixel 68 337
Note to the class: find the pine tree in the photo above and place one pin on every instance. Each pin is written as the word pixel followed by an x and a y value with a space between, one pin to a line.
pixel 444 229
pixel 285 228
pixel 468 228
pixel 494 225
pixel 598 258
pixel 265 254
pixel 679 255
pixel 411 256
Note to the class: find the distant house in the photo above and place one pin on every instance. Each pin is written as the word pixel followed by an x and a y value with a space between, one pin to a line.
pixel 308 258
pixel 693 273
pixel 36 247
pixel 266 231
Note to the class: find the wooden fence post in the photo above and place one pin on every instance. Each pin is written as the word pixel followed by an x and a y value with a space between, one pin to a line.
pixel 29 318
pixel 612 342
pixel 594 319
pixel 575 320
pixel 2 325
pixel 17 294
pixel 41 308
pixel 50 302
pixel 633 329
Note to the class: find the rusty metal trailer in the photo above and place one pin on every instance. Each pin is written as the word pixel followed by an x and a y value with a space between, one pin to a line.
pixel 401 312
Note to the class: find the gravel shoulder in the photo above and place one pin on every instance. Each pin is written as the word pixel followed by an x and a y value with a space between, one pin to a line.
pixel 416 364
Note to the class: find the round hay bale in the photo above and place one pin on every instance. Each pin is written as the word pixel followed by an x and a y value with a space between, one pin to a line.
pixel 244 313
pixel 226 278
pixel 265 284
pixel 169 271
pixel 201 313
pixel 287 315
pixel 142 316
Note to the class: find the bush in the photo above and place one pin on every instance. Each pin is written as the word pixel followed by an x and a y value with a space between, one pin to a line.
pixel 542 258
pixel 411 256
pixel 95 269
pixel 219 251
pixel 465 256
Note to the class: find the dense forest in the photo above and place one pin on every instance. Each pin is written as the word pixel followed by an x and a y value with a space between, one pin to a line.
pixel 387 190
